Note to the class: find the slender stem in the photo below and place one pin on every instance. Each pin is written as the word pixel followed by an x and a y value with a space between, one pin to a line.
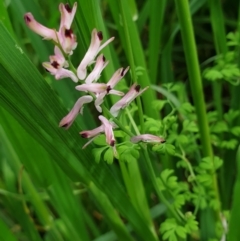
pixel 196 83
pixel 156 187
pixel 132 122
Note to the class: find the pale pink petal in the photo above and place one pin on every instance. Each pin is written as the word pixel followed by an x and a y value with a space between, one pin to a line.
pixel 92 52
pixel 105 44
pixel 58 59
pixel 49 67
pixel 108 129
pixel 67 40
pixel 92 133
pixel 67 14
pixel 65 73
pixel 147 138
pixel 117 76
pixel 127 99
pixel 101 63
pixel 116 92
pixel 38 28
pixel 67 121
pixel 94 87
pixel 59 73
pixel 99 101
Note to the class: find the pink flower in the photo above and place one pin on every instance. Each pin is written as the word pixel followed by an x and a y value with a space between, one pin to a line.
pixel 56 64
pixel 46 33
pixel 94 48
pixel 127 99
pixel 106 127
pixel 117 76
pixel 147 138
pixel 67 121
pixel 101 63
pixel 67 15
pixel 64 36
pixel 101 90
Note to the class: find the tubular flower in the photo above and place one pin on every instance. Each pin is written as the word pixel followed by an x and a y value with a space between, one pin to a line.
pixel 101 63
pixel 67 121
pixel 67 15
pixel 147 138
pixel 127 99
pixel 56 64
pixel 101 90
pixel 46 33
pixel 94 48
pixel 91 134
pixel 106 127
pixel 64 36
pixel 117 76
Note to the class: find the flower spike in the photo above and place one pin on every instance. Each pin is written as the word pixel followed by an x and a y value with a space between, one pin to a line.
pixel 94 48
pixel 127 99
pixel 67 121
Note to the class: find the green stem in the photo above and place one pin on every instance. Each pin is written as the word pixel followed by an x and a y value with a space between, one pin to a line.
pixel 156 187
pixel 196 84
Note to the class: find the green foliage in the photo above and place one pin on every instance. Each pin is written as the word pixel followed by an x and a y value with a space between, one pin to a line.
pixel 128 153
pixel 225 68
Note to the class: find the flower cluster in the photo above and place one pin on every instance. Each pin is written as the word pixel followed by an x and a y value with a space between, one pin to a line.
pixel 65 42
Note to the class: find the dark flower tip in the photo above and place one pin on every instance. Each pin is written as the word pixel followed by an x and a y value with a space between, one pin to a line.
pixel 122 72
pixel 55 64
pixel 104 59
pixel 84 135
pixel 27 19
pixel 137 88
pixel 68 33
pixel 108 88
pixel 112 143
pixel 67 7
pixel 163 141
pixel 100 35
pixel 65 125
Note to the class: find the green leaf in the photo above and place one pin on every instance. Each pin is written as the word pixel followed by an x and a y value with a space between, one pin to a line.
pixel 97 152
pixel 164 148
pixel 212 74
pixel 231 115
pixel 159 104
pixel 191 223
pixel 128 153
pixel 181 232
pixel 231 144
pixel 235 130
pixel 205 179
pixel 219 127
pixel 189 126
pixel 108 155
